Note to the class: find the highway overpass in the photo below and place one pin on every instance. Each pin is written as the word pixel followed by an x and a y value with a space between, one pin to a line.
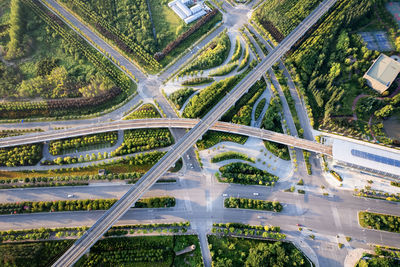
pixel 166 123
pixel 83 244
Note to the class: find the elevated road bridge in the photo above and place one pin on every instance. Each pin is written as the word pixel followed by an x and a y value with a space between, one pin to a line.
pixel 89 238
pixel 167 123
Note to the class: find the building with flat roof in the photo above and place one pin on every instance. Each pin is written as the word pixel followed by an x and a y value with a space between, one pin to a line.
pixel 180 7
pixel 368 157
pixel 382 73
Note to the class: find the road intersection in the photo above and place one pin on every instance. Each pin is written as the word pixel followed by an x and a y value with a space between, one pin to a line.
pixel 326 216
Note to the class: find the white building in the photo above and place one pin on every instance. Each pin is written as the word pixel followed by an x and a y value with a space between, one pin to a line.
pixel 180 7
pixel 368 157
pixel 382 73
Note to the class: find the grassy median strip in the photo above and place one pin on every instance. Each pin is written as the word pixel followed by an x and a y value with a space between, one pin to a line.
pixel 379 221
pixel 79 205
pixel 255 204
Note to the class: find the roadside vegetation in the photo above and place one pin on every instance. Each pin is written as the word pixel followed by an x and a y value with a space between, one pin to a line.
pixel 63 232
pixel 211 138
pixel 272 122
pixel 138 140
pixel 378 221
pixel 246 230
pixel 336 60
pixel 212 56
pixel 251 252
pixel 240 113
pixel 259 108
pixel 197 81
pixel 384 256
pixel 232 155
pixel 125 24
pixel 256 204
pixel 82 143
pixel 243 173
pixel 71 77
pixel 280 17
pixel 112 251
pixel 81 204
pixel 145 111
pixel 201 103
pixel 21 155
pixel 180 96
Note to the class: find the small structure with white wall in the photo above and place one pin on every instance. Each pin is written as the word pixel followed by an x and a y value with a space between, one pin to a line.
pixel 180 7
pixel 382 73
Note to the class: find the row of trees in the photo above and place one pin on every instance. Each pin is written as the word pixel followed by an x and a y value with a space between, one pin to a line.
pixel 85 204
pixel 197 81
pixel 63 108
pixel 240 113
pixel 211 138
pixel 21 155
pixel 144 111
pixel 125 42
pixel 231 155
pixel 378 221
pixel 60 146
pixel 246 203
pixel 180 96
pixel 233 251
pixel 15 47
pixel 238 50
pixel 159 56
pixel 144 139
pixel 244 173
pixel 213 55
pixel 325 60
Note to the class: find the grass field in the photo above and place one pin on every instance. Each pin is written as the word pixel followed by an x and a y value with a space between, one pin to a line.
pixel 168 25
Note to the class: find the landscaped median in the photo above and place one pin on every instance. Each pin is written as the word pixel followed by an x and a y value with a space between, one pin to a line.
pixel 379 221
pixel 78 205
pixel 256 204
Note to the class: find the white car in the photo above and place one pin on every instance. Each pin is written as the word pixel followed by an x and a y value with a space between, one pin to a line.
pixel 70 196
pixel 191 166
pixel 255 194
pixel 224 195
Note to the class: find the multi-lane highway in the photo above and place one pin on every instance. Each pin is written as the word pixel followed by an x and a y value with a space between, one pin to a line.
pixel 112 215
pixel 167 123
